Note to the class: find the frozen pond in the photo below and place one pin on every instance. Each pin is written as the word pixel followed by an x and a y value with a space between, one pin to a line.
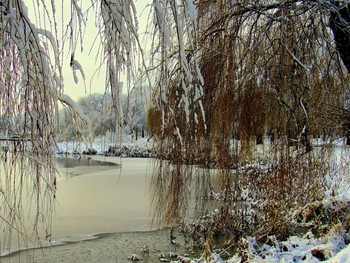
pixel 98 195
pixel 95 197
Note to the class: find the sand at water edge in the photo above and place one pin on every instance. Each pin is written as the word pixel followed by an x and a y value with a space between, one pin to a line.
pixel 116 248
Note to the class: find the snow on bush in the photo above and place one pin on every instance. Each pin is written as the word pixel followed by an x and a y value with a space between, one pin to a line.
pixel 103 146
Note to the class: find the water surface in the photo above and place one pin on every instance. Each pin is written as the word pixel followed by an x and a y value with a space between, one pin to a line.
pixel 103 197
pixel 99 195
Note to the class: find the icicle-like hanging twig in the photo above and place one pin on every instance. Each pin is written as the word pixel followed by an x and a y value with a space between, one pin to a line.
pixel 178 94
pixel 118 29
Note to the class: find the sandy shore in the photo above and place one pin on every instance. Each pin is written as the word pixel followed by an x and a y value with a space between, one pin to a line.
pixel 117 247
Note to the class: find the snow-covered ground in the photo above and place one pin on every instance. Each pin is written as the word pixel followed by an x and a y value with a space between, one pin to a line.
pixel 333 247
pixel 298 249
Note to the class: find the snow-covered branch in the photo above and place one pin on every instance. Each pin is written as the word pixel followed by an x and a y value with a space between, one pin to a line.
pixel 77 110
pixel 175 28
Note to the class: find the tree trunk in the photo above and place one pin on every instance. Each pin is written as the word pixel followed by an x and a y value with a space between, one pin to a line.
pixel 259 139
pixel 340 25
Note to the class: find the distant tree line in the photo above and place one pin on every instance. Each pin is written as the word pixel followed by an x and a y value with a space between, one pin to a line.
pixel 98 107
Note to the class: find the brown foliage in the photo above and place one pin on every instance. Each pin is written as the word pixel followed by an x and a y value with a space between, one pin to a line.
pixel 290 182
pixel 154 119
pixel 268 70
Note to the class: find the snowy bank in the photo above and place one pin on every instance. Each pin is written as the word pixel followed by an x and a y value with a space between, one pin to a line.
pixel 102 146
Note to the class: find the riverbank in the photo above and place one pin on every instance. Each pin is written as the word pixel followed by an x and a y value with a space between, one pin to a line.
pixel 142 148
pixel 148 246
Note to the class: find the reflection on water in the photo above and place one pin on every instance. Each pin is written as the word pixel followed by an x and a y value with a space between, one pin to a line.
pixel 102 195
pixel 109 195
pixel 84 165
pixel 72 162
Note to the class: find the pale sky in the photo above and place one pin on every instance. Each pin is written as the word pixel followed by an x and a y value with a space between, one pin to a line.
pixel 95 81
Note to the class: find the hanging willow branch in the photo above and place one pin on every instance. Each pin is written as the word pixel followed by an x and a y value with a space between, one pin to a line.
pixel 118 30
pixel 177 103
pixel 31 84
pixel 29 87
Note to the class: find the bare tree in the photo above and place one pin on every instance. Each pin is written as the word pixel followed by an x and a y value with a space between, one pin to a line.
pixel 99 108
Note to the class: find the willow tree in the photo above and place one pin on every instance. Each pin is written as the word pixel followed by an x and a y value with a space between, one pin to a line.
pixel 32 54
pixel 269 68
pixel 30 86
pixel 264 49
pixel 177 102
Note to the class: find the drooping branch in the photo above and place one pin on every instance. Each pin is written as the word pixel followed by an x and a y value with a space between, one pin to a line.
pixel 337 11
pixel 76 109
pixel 30 83
pixel 176 102
pixel 175 50
pixel 118 29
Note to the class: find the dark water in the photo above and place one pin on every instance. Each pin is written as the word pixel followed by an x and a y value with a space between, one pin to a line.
pixel 83 161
